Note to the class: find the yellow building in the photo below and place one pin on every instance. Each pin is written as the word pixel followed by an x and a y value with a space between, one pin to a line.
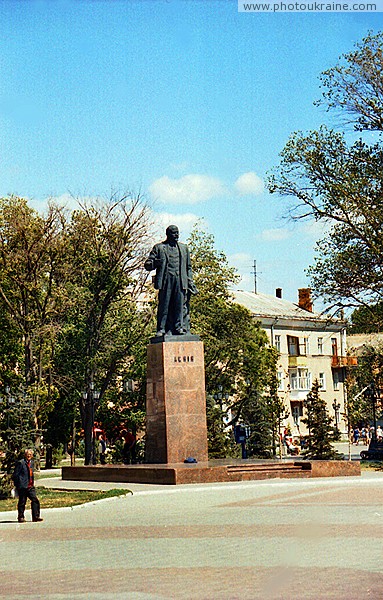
pixel 311 347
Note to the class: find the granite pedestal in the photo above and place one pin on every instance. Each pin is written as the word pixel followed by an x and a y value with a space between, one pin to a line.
pixel 175 402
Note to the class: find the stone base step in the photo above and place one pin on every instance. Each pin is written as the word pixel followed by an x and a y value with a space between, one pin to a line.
pixel 269 467
pixel 209 472
pixel 267 471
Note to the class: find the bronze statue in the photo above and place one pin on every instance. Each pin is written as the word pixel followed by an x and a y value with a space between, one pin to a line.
pixel 174 282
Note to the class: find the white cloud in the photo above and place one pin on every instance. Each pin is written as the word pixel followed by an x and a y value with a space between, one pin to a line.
pixel 249 184
pixel 65 200
pixel 185 223
pixel 239 260
pixel 189 189
pixel 69 200
pixel 275 235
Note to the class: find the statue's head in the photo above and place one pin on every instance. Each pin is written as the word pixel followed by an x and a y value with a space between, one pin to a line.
pixel 172 233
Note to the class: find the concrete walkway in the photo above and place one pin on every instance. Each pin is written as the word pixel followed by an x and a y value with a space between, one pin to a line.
pixel 269 540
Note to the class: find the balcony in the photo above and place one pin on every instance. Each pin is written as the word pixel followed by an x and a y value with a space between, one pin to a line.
pixel 297 361
pixel 338 362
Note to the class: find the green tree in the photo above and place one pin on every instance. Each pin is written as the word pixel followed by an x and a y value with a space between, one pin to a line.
pixel 340 183
pixel 238 357
pixel 30 249
pixel 367 319
pixel 11 348
pixel 69 311
pixel 221 443
pixel 17 432
pixel 103 327
pixel 321 430
pixel 354 85
pixel 369 370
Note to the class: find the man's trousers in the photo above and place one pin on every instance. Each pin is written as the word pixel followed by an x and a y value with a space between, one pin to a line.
pixel 24 494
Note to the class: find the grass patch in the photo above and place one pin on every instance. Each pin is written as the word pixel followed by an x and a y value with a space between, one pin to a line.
pixel 371 465
pixel 42 475
pixel 59 498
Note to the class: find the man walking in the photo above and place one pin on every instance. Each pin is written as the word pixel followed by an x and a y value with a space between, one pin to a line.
pixel 23 478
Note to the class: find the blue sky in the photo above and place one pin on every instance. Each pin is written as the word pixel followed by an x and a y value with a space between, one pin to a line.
pixel 189 102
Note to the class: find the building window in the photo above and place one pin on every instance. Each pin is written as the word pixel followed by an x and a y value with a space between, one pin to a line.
pixel 293 380
pixel 334 346
pixel 297 412
pixel 322 381
pixel 304 347
pixel 280 381
pixel 277 342
pixel 320 345
pixel 336 380
pixel 293 345
pixel 300 380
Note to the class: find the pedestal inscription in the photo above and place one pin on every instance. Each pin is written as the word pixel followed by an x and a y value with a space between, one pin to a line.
pixel 175 403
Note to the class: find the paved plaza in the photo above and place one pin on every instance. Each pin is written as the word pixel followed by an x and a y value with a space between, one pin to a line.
pixel 277 539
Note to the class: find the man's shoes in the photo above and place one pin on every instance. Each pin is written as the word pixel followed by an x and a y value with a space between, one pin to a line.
pixel 21 520
pixel 160 333
pixel 37 519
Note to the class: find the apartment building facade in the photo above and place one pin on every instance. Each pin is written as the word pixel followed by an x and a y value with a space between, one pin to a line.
pixel 311 347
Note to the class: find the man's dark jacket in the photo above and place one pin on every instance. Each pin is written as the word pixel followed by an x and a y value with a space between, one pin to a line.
pixel 21 474
pixel 160 253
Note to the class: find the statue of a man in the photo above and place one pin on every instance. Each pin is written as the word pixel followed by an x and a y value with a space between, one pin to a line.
pixel 174 282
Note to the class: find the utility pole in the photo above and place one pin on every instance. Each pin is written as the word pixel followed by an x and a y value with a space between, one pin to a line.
pixel 255 276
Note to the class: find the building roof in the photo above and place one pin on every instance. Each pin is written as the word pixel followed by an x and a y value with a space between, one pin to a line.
pixel 265 306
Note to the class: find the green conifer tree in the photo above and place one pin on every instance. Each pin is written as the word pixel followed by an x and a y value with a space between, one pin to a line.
pixel 321 430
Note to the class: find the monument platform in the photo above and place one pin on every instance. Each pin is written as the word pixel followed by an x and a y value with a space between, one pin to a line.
pixel 212 471
pixel 175 401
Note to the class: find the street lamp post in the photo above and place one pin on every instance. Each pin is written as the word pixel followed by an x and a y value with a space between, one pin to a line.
pixel 283 415
pixel 95 399
pixel 92 396
pixel 336 407
pixel 221 399
pixel 220 396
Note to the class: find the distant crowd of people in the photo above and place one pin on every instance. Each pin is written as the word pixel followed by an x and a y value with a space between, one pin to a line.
pixel 364 435
pixel 291 445
pixel 129 441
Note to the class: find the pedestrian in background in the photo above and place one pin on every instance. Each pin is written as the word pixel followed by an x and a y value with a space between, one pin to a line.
pixel 23 478
pixel 356 436
pixel 129 449
pixel 102 449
